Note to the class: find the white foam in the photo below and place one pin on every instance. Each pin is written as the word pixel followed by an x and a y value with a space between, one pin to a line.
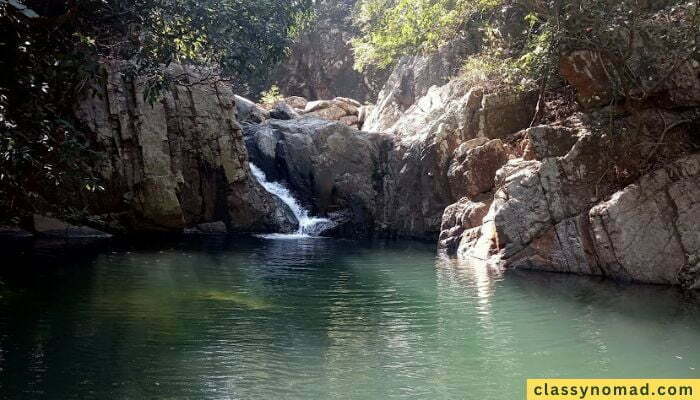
pixel 309 226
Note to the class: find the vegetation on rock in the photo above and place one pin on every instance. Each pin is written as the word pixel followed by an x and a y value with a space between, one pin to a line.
pixel 521 40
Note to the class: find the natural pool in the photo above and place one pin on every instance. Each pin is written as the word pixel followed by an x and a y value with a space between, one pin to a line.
pixel 249 318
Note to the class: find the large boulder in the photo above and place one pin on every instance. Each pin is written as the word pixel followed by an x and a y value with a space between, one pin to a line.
pixel 282 110
pixel 326 164
pixel 296 102
pixel 332 112
pixel 458 218
pixel 247 110
pixel 340 109
pixel 473 168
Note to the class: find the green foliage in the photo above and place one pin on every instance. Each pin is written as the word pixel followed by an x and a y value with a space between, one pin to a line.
pixel 641 43
pixel 41 149
pixel 521 40
pixel 516 64
pixel 271 96
pixel 392 28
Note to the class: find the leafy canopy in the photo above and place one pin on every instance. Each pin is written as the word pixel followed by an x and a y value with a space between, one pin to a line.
pixel 392 28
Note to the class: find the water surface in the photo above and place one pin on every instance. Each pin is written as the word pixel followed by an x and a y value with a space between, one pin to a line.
pixel 249 318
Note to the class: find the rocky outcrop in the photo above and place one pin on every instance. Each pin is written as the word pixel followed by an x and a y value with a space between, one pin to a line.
pixel 175 163
pixel 612 192
pixel 247 110
pixel 328 165
pixel 411 79
pixel 548 211
pixel 398 182
pixel 342 109
pixel 648 231
pixel 462 165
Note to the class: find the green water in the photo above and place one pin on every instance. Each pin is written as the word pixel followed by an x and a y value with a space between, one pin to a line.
pixel 319 319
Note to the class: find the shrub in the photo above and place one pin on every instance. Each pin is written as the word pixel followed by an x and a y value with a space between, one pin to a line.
pixel 271 96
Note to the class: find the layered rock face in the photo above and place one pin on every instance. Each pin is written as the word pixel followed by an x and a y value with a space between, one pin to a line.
pixel 321 66
pixel 176 163
pixel 550 210
pixel 411 79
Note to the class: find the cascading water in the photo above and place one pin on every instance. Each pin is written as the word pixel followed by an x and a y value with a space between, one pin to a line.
pixel 308 226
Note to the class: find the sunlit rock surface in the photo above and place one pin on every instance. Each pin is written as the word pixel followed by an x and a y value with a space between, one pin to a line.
pixel 177 162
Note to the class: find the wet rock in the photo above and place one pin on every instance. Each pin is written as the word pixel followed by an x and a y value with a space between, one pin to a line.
pixel 284 217
pixel 53 227
pixel 331 167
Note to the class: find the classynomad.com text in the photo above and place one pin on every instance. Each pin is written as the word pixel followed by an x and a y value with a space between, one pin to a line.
pixel 613 389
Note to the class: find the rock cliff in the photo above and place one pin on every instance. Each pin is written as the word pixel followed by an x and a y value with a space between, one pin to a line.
pixel 176 163
pixel 321 61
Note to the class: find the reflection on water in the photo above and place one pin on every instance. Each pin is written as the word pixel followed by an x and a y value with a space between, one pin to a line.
pixel 222 318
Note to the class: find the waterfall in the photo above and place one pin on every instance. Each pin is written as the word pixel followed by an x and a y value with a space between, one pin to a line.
pixel 308 226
